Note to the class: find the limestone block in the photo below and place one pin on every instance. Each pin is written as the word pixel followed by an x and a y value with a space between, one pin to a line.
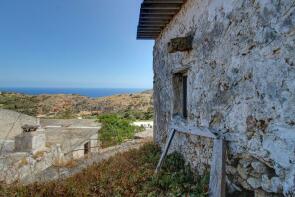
pixel 254 182
pixel 180 44
pixel 243 172
pixel 258 167
pixel 271 185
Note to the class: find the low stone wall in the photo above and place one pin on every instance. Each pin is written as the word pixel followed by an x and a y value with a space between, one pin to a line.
pixel 241 74
pixel 22 167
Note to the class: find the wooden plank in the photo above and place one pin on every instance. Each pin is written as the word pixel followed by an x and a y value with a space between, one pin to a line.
pixel 147 37
pixel 148 34
pixel 217 173
pixel 163 13
pixel 154 20
pixel 168 143
pixel 158 12
pixel 165 2
pixel 151 25
pixel 193 130
pixel 160 8
pixel 149 31
pixel 167 17
pixel 161 4
pixel 149 28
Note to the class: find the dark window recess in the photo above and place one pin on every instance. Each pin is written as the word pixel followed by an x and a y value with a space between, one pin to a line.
pixel 86 148
pixel 180 88
pixel 184 94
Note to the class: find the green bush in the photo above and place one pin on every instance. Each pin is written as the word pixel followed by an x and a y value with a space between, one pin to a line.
pixel 137 114
pixel 19 102
pixel 115 129
pixel 176 179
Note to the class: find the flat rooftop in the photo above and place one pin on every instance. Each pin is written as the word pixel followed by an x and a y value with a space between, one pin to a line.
pixel 69 138
pixel 69 123
pixel 155 15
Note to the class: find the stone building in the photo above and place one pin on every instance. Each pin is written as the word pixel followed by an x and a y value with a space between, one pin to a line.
pixel 228 66
pixel 27 150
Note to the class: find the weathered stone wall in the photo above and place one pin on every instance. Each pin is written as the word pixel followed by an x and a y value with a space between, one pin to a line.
pixel 241 81
pixel 11 123
pixel 23 167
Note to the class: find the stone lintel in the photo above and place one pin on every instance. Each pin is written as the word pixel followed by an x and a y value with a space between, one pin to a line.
pixel 180 44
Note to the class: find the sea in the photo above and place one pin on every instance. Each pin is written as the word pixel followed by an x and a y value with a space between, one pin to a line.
pixel 89 92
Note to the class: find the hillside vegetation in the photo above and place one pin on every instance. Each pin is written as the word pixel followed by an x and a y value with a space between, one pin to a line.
pixel 115 130
pixel 131 106
pixel 127 174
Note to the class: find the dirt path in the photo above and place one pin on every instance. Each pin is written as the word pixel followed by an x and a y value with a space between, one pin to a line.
pixel 54 173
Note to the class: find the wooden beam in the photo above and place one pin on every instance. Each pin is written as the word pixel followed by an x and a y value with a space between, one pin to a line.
pixel 168 143
pixel 146 38
pixel 217 173
pixel 145 20
pixel 153 36
pixel 151 25
pixel 193 130
pixel 159 13
pixel 148 33
pixel 167 17
pixel 161 2
pixel 150 28
pixel 160 8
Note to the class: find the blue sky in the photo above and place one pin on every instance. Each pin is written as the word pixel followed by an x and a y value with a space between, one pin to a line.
pixel 73 43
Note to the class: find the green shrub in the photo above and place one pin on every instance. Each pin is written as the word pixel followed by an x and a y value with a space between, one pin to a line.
pixel 115 129
pixel 19 102
pixel 176 179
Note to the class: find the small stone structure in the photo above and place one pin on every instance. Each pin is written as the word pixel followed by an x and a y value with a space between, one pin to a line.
pixel 31 140
pixel 238 80
pixel 76 137
pixel 30 149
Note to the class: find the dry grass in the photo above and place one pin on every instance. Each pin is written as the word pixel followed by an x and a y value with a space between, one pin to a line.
pixel 65 164
pixel 38 154
pixel 127 174
pixel 23 162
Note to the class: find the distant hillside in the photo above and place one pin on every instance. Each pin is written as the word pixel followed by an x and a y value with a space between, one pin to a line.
pixel 139 105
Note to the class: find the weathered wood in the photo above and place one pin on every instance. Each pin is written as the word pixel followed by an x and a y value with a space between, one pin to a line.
pixel 157 13
pixel 163 2
pixel 168 143
pixel 180 44
pixel 217 173
pixel 149 31
pixel 149 25
pixel 192 129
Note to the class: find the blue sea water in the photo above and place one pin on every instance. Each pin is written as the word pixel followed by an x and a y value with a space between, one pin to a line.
pixel 90 92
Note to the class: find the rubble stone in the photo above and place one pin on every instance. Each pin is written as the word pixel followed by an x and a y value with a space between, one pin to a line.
pixel 241 68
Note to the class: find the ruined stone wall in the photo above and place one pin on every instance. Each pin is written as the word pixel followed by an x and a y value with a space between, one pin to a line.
pixel 11 123
pixel 241 81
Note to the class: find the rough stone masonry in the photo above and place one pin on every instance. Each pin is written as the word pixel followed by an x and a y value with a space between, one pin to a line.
pixel 240 82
